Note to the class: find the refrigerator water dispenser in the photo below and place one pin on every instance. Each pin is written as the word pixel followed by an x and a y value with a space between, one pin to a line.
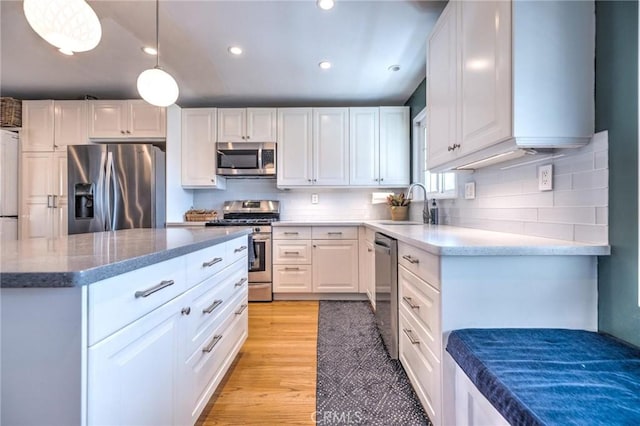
pixel 84 200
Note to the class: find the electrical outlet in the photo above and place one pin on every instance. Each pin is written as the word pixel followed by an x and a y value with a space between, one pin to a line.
pixel 314 198
pixel 545 178
pixel 470 191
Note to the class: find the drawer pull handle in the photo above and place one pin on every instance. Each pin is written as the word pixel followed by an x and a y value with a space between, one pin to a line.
pixel 409 302
pixel 239 249
pixel 334 233
pixel 412 339
pixel 211 262
pixel 291 269
pixel 241 310
pixel 211 307
pixel 150 291
pixel 291 252
pixel 291 233
pixel 239 283
pixel 186 311
pixel 212 344
pixel 411 259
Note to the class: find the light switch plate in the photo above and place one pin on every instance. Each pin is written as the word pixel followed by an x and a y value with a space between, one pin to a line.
pixel 314 198
pixel 470 191
pixel 545 177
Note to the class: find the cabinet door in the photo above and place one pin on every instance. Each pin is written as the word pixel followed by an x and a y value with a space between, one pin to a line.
pixel 70 123
pixel 145 120
pixel 108 119
pixel 394 146
pixel 485 31
pixel 364 142
pixel 261 125
pixel 133 374
pixel 370 278
pixel 60 198
pixel 232 125
pixel 36 198
pixel 442 78
pixel 199 147
pixel 37 126
pixel 335 266
pixel 294 146
pixel 331 146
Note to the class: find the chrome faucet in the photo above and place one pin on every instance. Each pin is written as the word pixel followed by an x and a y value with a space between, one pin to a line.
pixel 425 208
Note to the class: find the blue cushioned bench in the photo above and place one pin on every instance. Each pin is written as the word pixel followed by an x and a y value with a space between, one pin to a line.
pixel 552 376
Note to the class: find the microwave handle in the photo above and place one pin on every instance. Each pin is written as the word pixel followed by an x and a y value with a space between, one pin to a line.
pixel 260 159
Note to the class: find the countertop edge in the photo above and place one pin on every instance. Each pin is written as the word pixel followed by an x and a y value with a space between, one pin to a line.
pixel 68 279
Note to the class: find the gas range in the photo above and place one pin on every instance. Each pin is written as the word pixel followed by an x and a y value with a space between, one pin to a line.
pixel 249 213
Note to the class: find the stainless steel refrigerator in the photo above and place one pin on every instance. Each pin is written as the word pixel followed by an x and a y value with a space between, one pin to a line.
pixel 115 186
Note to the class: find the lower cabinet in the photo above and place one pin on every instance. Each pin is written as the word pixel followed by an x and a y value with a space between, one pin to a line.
pixel 367 264
pixel 315 259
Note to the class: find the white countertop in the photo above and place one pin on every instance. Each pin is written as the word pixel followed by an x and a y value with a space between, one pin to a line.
pixel 456 241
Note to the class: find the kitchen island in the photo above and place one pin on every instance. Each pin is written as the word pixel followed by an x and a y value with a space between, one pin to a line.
pixel 127 327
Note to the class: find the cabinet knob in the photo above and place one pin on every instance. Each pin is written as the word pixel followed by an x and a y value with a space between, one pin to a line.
pixel 122 132
pixel 247 137
pixel 128 132
pixel 243 138
pixel 381 179
pixel 315 180
pixel 186 311
pixel 314 246
pixel 308 180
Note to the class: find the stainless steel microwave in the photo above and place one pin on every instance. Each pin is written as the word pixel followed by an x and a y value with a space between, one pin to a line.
pixel 246 159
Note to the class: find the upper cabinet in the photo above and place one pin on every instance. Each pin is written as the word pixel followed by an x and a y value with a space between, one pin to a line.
pixel 379 145
pixel 502 76
pixel 247 124
pixel 313 147
pixel 52 125
pixel 199 149
pixel 126 119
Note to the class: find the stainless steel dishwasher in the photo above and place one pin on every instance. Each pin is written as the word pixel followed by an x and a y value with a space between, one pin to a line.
pixel 386 255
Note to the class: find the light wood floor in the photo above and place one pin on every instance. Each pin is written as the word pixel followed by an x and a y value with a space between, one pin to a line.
pixel 273 380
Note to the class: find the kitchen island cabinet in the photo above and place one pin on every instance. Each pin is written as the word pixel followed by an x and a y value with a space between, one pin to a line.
pixel 129 327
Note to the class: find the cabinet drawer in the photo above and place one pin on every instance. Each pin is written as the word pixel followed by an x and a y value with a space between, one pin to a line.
pixel 120 300
pixel 420 300
pixel 212 302
pixel 291 232
pixel 205 370
pixel 237 249
pixel 292 279
pixel 292 252
pixel 334 233
pixel 422 368
pixel 205 263
pixel 424 265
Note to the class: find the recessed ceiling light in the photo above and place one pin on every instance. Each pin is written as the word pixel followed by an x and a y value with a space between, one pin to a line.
pixel 150 50
pixel 235 50
pixel 325 65
pixel 325 4
pixel 394 68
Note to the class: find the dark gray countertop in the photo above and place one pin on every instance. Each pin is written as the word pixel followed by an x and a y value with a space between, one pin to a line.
pixel 82 259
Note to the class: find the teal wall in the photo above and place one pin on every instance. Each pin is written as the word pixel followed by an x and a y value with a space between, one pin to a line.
pixel 418 99
pixel 617 112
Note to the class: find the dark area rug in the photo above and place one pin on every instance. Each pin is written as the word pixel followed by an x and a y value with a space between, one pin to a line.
pixel 357 381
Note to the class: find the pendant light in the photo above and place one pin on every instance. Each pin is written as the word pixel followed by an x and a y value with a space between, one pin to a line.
pixel 155 85
pixel 69 25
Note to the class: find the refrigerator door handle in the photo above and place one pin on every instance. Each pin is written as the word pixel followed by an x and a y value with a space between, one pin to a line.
pixel 107 195
pixel 100 190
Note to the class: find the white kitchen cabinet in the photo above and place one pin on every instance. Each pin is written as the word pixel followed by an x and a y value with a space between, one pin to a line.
pixel 367 264
pixel 199 149
pixel 52 125
pixel 335 266
pixel 313 147
pixel 247 125
pixel 499 80
pixel 137 119
pixel 43 194
pixel 295 147
pixel 379 146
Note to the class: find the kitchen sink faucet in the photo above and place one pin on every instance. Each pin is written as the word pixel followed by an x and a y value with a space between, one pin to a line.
pixel 425 208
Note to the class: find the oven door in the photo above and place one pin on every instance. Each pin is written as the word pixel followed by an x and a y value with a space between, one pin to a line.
pixel 260 269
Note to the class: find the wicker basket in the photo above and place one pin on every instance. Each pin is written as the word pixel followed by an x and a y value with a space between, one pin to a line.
pixel 10 112
pixel 191 216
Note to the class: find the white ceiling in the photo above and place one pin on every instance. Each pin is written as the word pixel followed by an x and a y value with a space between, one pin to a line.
pixel 283 43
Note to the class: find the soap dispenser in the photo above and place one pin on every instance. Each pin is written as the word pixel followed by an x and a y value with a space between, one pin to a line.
pixel 433 212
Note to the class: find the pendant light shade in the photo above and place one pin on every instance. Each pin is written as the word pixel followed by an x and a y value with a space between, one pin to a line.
pixel 69 25
pixel 155 85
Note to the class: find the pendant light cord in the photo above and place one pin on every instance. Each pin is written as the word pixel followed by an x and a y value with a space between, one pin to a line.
pixel 157 34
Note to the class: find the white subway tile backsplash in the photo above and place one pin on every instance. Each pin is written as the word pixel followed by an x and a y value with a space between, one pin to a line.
pixel 509 200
